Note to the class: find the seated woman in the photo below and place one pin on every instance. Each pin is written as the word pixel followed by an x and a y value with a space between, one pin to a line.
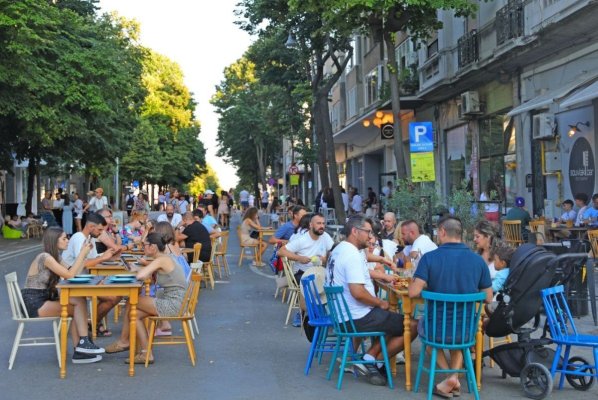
pixel 250 230
pixel 171 278
pixel 109 239
pixel 41 296
pixel 133 231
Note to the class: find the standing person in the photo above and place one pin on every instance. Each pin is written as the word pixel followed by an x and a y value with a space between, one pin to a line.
pixel 484 236
pixel 244 199
pixel 454 269
pixel 389 225
pixel 183 204
pixel 174 200
pixel 250 228
pixel 78 209
pixel 161 201
pixel 41 296
pixel 581 201
pixel 130 203
pixel 46 212
pixel 347 267
pixel 97 202
pixel 208 202
pixel 371 204
pixel 141 203
pixel 491 212
pixel 67 215
pixel 345 198
pixel 265 199
pixel 356 202
pixel 223 209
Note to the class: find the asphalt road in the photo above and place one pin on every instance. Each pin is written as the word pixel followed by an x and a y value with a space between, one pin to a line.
pixel 245 351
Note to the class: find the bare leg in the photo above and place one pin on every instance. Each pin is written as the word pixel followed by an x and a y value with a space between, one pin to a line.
pixel 77 309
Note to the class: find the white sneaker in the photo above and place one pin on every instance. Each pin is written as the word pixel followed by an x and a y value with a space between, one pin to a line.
pixel 401 358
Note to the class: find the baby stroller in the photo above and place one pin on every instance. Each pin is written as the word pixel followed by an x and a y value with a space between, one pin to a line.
pixel 532 269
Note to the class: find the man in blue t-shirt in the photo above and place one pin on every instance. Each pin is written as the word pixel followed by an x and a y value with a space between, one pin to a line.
pixel 590 215
pixel 452 268
pixel 283 234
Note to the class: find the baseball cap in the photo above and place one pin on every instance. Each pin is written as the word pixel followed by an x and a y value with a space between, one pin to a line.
pixel 519 201
pixel 208 192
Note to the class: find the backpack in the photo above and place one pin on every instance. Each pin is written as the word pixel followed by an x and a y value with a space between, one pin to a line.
pixel 130 203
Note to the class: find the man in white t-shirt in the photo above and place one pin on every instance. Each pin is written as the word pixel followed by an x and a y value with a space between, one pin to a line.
pixel 416 243
pixel 356 202
pixel 347 267
pixel 309 249
pixel 174 219
pixel 97 202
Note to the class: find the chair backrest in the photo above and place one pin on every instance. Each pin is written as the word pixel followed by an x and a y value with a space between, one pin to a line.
pixel 451 320
pixel 339 310
pixel 196 251
pixel 558 314
pixel 191 295
pixel 222 247
pixel 17 305
pixel 288 272
pixel 593 238
pixel 512 232
pixel 315 308
pixel 537 225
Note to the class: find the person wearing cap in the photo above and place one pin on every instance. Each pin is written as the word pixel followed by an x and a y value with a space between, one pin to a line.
pixel 519 213
pixel 97 202
pixel 207 202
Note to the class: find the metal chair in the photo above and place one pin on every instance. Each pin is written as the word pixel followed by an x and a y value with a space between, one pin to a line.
pixel 512 232
pixel 450 323
pixel 20 315
pixel 186 314
pixel 319 319
pixel 564 333
pixel 344 329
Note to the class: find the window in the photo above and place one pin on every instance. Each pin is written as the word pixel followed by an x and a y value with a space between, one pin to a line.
pixel 458 153
pixel 352 102
pixel 406 55
pixel 334 116
pixel 494 144
pixel 432 48
pixel 372 86
pixel 355 56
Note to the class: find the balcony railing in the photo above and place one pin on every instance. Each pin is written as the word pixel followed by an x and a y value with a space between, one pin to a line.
pixel 468 48
pixel 509 21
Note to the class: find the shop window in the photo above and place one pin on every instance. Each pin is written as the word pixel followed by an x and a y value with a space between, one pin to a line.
pixel 497 143
pixel 372 85
pixel 458 151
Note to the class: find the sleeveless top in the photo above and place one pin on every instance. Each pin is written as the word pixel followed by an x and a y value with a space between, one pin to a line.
pixel 41 280
pixel 173 280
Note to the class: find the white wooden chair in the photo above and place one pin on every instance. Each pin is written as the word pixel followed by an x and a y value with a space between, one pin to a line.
pixel 20 315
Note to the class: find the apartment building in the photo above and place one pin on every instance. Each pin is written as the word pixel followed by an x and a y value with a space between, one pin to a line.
pixel 511 93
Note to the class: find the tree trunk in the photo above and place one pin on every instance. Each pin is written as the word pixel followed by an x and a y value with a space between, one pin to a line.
pixel 395 98
pixel 31 173
pixel 319 131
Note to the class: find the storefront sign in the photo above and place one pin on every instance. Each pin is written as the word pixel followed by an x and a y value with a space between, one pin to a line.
pixel 387 132
pixel 581 168
pixel 422 167
pixel 421 137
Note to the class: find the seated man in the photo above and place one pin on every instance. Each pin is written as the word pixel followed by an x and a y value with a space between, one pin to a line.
pixel 195 232
pixel 452 268
pixel 284 233
pixel 347 267
pixel 172 217
pixel 519 213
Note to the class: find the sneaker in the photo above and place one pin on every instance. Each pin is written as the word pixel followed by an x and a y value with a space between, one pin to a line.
pixel 348 367
pixel 400 359
pixel 86 346
pixel 371 372
pixel 82 358
pixel 297 320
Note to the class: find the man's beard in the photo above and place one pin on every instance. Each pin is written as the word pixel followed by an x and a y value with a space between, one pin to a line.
pixel 169 215
pixel 317 232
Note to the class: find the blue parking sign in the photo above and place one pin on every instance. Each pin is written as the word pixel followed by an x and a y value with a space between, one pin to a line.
pixel 421 137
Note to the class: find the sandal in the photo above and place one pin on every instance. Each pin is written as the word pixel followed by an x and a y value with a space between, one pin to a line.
pixel 103 332
pixel 140 359
pixel 115 348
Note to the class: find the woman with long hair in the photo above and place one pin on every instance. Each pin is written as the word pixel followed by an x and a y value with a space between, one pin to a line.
pixel 41 296
pixel 484 237
pixel 171 279
pixel 223 210
pixel 250 228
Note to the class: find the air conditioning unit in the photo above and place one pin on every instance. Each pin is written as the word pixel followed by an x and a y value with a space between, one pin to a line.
pixel 411 58
pixel 470 103
pixel 543 126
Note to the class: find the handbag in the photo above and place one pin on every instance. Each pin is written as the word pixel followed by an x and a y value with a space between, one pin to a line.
pixel 254 234
pixel 275 261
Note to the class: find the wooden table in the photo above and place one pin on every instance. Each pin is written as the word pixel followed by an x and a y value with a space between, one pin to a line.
pixel 408 308
pixel 578 231
pixel 96 288
pixel 263 232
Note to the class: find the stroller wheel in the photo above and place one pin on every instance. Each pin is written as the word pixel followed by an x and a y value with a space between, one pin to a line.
pixel 580 364
pixel 536 381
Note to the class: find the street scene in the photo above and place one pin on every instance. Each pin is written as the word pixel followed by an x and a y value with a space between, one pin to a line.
pixel 278 199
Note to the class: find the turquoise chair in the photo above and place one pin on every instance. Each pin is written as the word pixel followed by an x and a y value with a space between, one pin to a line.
pixel 319 319
pixel 344 329
pixel 450 322
pixel 580 373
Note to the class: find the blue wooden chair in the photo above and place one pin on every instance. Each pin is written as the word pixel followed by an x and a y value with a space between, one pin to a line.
pixel 344 329
pixel 450 322
pixel 319 319
pixel 564 333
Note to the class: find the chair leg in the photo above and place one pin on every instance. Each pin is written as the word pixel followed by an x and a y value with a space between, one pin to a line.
pixel 432 373
pixel 565 362
pixel 341 370
pixel 195 324
pixel 150 342
pixel 190 346
pixel 190 324
pixel 225 262
pixel 337 346
pixel 56 330
pixel 15 345
pixel 312 349
pixel 471 379
pixel 241 255
pixel 291 302
pixel 386 362
pixel 420 367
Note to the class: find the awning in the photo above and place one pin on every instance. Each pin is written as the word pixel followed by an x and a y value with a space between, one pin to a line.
pixel 589 93
pixel 548 98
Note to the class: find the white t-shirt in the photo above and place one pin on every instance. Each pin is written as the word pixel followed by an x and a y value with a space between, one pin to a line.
pixel 488 207
pixel 356 203
pixel 348 265
pixel 422 244
pixel 176 219
pixel 386 191
pixel 244 195
pixel 265 196
pixel 345 198
pixel 183 206
pixel 96 204
pixel 304 245
pixel 74 248
pixel 251 200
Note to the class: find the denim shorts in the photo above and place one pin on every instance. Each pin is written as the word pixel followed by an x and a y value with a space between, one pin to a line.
pixel 34 299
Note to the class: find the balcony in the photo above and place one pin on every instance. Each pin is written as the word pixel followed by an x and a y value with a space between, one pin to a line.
pixel 468 47
pixel 509 21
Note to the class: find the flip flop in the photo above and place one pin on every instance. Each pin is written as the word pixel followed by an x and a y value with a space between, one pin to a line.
pixel 115 348
pixel 456 392
pixel 442 394
pixel 103 333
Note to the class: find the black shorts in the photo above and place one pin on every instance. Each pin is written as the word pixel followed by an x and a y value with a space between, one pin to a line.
pixel 379 320
pixel 34 299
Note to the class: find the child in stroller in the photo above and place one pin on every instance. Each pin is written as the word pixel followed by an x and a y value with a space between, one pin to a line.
pixel 532 269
